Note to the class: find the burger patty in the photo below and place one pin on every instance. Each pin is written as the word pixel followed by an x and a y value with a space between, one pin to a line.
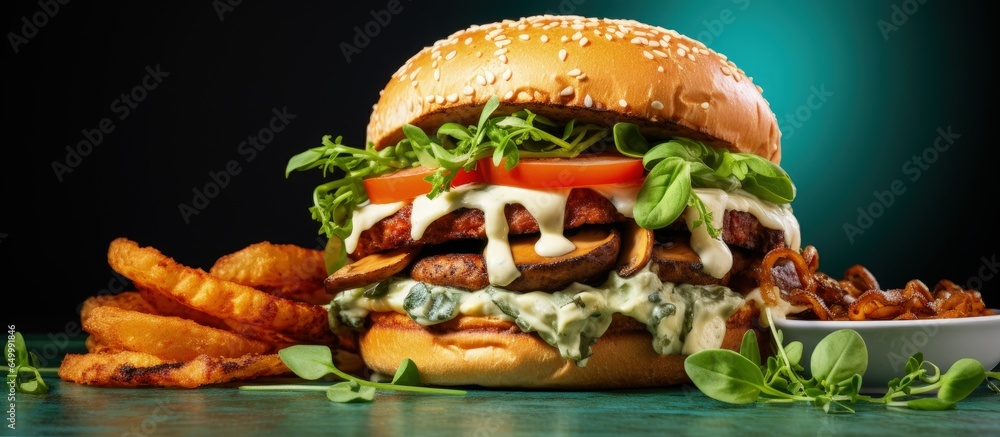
pixel 583 207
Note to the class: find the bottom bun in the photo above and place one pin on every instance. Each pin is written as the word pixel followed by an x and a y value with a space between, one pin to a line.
pixel 490 352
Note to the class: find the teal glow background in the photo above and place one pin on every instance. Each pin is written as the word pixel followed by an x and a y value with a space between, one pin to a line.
pixel 889 97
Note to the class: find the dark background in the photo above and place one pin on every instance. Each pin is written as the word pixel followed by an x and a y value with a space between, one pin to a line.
pixel 227 73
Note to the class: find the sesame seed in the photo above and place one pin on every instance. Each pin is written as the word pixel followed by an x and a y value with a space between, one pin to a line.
pixel 439 99
pixel 588 101
pixel 522 26
pixel 647 54
pixel 481 80
pixel 660 69
pixel 524 36
pixel 659 53
pixel 622 103
pixel 574 72
pixel 500 51
pixel 414 83
pixel 582 76
pixel 562 55
pixel 508 95
pixel 568 91
pixel 704 105
pixel 577 36
pixel 436 54
pixel 428 99
pixel 506 74
pixel 450 55
pixel 545 38
pixel 657 105
pixel 681 52
pixel 759 89
pixel 502 43
pixel 564 38
pixel 490 78
pixel 503 59
pixel 620 34
pixel 437 74
pixel 413 75
pixel 584 41
pixel 452 98
pixel 608 36
pixel 690 56
pixel 577 27
pixel 468 40
pixel 654 43
pixel 468 90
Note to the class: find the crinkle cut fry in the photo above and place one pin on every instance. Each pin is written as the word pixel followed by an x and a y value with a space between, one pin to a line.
pixel 136 369
pixel 148 268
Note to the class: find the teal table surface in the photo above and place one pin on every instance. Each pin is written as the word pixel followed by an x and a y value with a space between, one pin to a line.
pixel 75 410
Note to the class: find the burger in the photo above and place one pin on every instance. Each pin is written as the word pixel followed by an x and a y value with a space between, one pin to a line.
pixel 555 201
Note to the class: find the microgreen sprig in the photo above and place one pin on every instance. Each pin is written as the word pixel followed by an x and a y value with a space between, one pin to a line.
pixel 26 375
pixel 837 365
pixel 313 362
pixel 505 138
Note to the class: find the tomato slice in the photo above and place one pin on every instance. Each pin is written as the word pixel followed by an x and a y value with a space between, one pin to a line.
pixel 406 184
pixel 581 171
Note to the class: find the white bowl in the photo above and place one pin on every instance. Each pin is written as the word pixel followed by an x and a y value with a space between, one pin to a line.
pixel 891 342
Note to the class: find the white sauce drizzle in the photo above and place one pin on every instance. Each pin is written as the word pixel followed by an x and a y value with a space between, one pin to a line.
pixel 547 207
pixel 621 196
pixel 365 217
pixel 715 255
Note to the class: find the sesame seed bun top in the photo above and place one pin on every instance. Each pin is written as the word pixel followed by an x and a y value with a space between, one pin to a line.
pixel 593 70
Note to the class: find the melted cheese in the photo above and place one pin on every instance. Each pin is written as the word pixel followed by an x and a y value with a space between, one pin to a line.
pixel 682 318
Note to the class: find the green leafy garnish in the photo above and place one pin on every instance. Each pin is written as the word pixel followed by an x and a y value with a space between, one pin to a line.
pixel 680 164
pixel 837 366
pixel 26 376
pixel 675 166
pixel 505 138
pixel 313 362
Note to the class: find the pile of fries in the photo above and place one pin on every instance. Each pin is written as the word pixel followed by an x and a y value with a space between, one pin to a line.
pixel 184 327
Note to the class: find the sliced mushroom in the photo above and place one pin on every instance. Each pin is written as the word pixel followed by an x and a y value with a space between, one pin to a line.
pixel 596 252
pixel 370 269
pixel 675 261
pixel 637 248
